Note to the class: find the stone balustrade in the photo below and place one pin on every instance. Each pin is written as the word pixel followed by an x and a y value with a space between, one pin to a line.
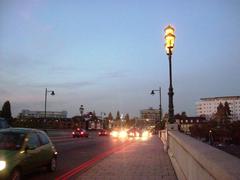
pixel 195 160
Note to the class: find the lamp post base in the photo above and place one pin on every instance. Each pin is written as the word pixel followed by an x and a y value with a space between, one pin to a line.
pixel 172 127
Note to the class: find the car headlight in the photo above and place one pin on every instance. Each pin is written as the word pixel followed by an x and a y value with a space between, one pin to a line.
pixel 114 133
pixel 145 134
pixel 2 165
pixel 122 134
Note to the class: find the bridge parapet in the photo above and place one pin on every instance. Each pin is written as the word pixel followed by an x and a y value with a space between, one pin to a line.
pixel 193 159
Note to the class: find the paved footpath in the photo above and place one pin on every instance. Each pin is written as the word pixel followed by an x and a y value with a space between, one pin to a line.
pixel 141 160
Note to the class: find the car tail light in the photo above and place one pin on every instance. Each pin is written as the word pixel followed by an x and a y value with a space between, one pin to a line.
pixel 73 132
pixel 82 133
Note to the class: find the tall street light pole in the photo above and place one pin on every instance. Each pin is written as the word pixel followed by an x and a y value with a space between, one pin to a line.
pixel 45 107
pixel 103 120
pixel 169 45
pixel 81 109
pixel 160 104
pixel 121 117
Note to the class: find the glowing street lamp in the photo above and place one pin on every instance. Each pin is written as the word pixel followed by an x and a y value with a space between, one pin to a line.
pixel 169 39
pixel 169 45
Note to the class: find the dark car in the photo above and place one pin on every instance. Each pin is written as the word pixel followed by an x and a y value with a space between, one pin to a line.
pixel 103 132
pixel 23 150
pixel 134 132
pixel 79 133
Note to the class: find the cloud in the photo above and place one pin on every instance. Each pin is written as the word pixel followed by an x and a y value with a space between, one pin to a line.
pixel 77 84
pixel 63 69
pixel 27 8
pixel 114 74
pixel 4 92
pixel 74 84
pixel 18 61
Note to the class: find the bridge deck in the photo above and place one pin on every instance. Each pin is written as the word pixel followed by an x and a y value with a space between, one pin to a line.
pixel 139 160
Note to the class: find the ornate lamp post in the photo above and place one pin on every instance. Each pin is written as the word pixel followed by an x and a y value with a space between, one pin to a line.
pixel 103 120
pixel 169 45
pixel 160 105
pixel 45 108
pixel 81 109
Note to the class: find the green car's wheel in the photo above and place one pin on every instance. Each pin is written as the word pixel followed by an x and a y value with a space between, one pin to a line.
pixel 52 166
pixel 15 175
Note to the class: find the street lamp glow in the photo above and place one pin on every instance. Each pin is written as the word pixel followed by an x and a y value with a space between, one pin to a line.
pixel 169 39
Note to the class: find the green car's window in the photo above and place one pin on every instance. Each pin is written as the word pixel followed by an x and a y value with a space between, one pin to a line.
pixel 33 140
pixel 11 140
pixel 3 123
pixel 43 138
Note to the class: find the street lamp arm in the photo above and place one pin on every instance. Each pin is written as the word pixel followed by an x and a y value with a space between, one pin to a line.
pixel 160 105
pixel 45 107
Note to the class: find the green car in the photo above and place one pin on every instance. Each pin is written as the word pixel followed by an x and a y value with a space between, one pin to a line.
pixel 23 150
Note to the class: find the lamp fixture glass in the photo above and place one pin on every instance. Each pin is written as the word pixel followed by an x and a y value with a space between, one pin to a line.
pixel 169 38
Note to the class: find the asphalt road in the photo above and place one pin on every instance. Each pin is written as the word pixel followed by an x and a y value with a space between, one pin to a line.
pixel 74 152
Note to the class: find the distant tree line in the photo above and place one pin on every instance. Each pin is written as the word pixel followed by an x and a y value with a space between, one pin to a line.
pixel 117 122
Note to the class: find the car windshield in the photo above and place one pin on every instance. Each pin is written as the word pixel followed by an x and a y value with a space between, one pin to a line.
pixel 3 124
pixel 11 140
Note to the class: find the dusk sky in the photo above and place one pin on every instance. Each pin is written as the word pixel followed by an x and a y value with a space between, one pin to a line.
pixel 108 55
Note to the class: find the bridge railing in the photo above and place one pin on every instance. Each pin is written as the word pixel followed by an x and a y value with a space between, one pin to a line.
pixel 193 159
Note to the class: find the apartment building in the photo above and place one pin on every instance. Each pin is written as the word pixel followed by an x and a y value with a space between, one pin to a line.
pixel 150 114
pixel 41 114
pixel 208 106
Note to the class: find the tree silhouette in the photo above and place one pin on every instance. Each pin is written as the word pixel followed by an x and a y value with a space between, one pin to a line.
pixel 127 119
pixel 110 117
pixel 223 113
pixel 94 113
pixel 6 111
pixel 184 115
pixel 227 109
pixel 117 116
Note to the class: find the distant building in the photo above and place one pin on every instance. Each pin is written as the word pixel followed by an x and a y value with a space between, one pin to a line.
pixel 150 114
pixel 208 106
pixel 184 123
pixel 41 114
